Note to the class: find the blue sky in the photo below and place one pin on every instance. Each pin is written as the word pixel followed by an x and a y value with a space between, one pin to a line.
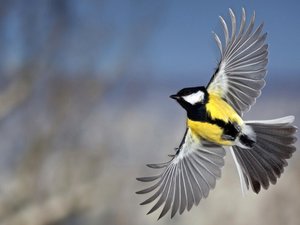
pixel 184 43
pixel 160 38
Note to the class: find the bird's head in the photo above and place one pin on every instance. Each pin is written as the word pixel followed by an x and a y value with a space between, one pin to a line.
pixel 191 97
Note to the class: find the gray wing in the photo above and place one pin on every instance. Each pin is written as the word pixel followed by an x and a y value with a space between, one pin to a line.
pixel 186 178
pixel 240 75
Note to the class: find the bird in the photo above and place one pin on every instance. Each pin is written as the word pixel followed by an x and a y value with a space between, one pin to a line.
pixel 215 125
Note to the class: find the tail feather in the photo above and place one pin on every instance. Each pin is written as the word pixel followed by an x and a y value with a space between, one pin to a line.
pixel 265 161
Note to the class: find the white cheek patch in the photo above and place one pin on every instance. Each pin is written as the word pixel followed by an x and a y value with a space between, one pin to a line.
pixel 194 98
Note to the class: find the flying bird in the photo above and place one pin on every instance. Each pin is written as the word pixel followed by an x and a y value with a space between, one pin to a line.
pixel 215 125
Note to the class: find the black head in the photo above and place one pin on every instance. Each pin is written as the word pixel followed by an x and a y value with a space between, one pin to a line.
pixel 191 97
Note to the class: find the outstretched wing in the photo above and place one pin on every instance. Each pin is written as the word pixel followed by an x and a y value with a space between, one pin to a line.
pixel 186 178
pixel 240 75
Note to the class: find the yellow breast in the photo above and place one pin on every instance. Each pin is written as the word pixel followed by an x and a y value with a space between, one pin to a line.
pixel 218 109
pixel 207 131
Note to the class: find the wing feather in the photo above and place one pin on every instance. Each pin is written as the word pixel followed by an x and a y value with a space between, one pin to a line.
pixel 225 29
pixel 219 43
pixel 240 75
pixel 197 192
pixel 188 186
pixel 183 193
pixel 187 178
pixel 177 196
pixel 170 196
pixel 233 24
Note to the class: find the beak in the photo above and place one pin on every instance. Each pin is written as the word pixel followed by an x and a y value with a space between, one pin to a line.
pixel 176 97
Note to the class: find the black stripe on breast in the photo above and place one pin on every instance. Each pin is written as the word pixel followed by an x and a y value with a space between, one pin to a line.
pixel 230 130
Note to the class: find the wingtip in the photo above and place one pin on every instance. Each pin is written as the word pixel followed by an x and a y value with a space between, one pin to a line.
pixel 231 12
pixel 296 130
pixel 243 14
pixel 221 18
pixel 140 179
pixel 144 203
pixel 160 216
pixel 150 211
pixel 292 118
pixel 172 215
pixel 139 193
pixel 147 179
pixel 254 15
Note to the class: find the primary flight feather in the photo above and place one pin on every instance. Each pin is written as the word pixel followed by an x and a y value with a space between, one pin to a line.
pixel 215 125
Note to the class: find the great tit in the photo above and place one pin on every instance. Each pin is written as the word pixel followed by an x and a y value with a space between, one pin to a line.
pixel 215 125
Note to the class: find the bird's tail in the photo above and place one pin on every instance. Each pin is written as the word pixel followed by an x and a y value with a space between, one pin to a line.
pixel 264 161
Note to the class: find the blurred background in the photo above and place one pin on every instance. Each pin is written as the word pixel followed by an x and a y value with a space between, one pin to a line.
pixel 84 89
